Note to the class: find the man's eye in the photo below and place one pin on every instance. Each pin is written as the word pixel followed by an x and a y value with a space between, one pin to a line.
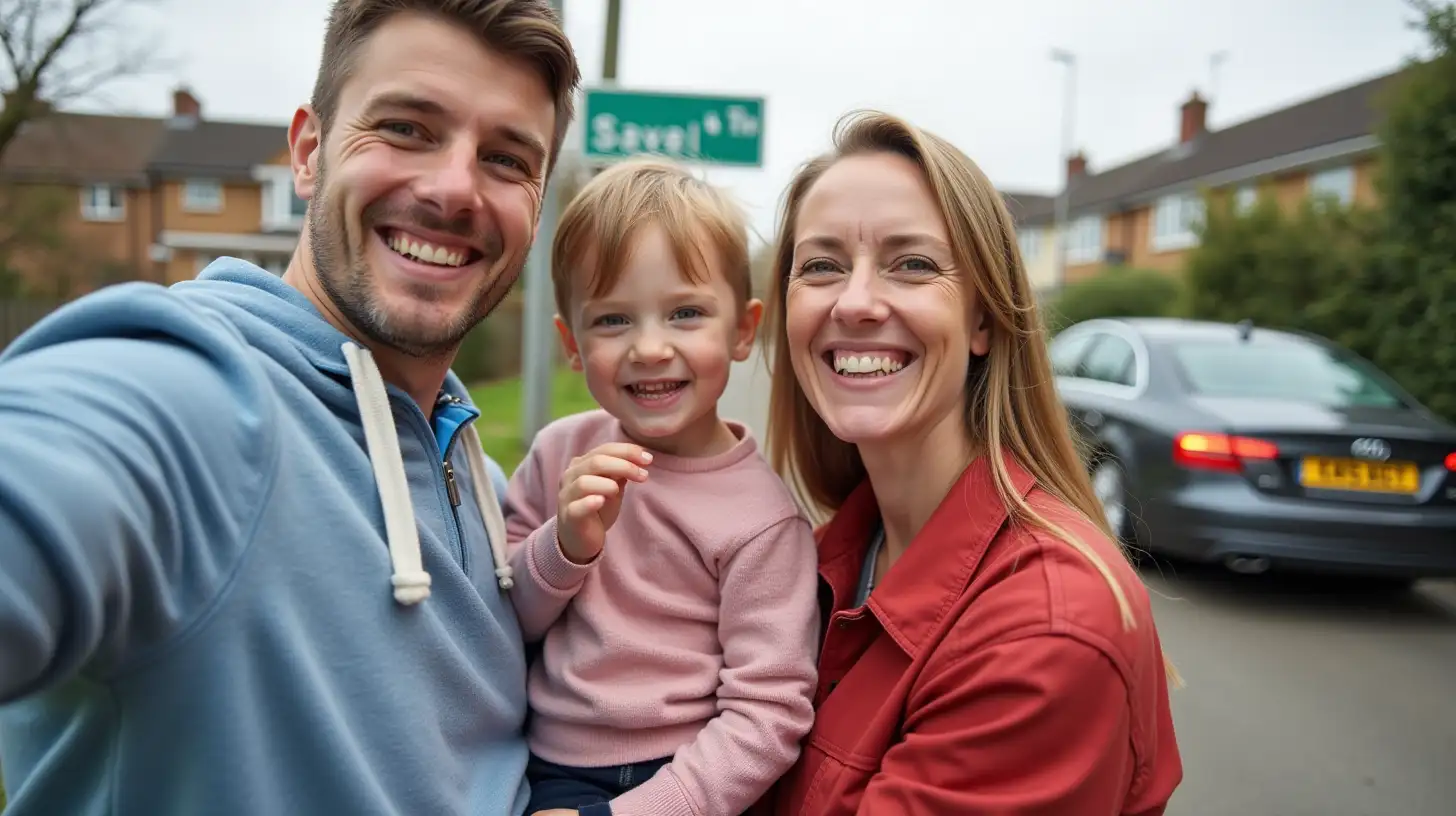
pixel 508 161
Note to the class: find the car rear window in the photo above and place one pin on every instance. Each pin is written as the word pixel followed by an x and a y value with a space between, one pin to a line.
pixel 1281 369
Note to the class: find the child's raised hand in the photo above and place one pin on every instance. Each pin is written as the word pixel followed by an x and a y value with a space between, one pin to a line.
pixel 591 496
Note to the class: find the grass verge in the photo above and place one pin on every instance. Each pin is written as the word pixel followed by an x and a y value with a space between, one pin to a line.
pixel 500 412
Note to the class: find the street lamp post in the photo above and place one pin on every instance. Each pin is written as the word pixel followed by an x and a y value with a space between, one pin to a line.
pixel 536 334
pixel 1069 110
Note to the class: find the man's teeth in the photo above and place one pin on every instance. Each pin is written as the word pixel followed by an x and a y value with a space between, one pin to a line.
pixel 850 364
pixel 405 245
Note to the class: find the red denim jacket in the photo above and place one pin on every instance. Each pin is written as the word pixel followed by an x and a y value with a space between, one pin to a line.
pixel 989 673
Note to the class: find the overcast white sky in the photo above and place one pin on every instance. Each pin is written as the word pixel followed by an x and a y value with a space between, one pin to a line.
pixel 976 71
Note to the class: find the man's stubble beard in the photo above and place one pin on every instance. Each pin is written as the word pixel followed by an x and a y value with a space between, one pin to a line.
pixel 346 280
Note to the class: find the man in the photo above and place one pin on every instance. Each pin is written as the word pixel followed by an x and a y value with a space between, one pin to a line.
pixel 245 565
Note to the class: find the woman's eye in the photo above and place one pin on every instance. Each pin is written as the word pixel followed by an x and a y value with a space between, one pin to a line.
pixel 916 264
pixel 818 266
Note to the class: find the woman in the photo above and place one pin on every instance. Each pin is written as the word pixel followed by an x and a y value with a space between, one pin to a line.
pixel 988 648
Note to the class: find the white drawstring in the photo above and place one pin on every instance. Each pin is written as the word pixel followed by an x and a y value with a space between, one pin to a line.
pixel 490 507
pixel 411 582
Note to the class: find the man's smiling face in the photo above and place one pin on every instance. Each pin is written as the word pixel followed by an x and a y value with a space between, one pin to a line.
pixel 427 184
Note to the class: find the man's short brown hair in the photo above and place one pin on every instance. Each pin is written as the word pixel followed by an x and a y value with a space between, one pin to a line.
pixel 597 229
pixel 529 30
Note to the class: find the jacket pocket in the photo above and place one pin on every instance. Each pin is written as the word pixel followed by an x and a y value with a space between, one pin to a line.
pixel 838 781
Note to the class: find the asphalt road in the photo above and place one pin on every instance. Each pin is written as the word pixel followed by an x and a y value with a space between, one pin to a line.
pixel 1309 698
pixel 1303 697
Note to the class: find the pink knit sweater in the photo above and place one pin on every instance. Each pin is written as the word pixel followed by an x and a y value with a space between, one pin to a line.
pixel 693 635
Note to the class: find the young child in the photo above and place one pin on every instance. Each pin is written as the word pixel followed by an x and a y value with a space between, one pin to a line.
pixel 667 567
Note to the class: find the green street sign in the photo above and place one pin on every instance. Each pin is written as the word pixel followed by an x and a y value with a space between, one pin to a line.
pixel 693 127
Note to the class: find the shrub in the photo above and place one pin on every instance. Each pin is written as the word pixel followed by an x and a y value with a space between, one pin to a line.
pixel 1117 292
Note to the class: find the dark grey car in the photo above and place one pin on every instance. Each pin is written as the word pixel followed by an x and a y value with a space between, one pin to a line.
pixel 1257 448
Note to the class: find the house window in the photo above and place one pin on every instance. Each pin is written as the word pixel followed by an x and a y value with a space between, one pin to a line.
pixel 202 195
pixel 283 210
pixel 1084 240
pixel 1030 241
pixel 1175 221
pixel 1245 198
pixel 1338 182
pixel 103 202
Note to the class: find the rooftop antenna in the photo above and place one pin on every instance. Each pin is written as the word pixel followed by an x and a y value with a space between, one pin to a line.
pixel 1215 63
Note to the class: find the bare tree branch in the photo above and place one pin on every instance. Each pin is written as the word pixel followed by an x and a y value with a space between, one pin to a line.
pixel 59 51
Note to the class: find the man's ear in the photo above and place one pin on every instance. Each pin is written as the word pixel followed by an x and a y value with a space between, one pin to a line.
pixel 305 140
pixel 747 330
pixel 568 344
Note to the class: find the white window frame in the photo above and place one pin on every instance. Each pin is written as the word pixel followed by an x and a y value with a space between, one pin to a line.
pixel 202 195
pixel 1084 240
pixel 1336 181
pixel 1176 218
pixel 116 203
pixel 277 198
pixel 1246 197
pixel 1029 240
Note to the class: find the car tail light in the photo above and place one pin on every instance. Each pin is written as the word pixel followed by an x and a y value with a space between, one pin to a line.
pixel 1216 451
pixel 1451 462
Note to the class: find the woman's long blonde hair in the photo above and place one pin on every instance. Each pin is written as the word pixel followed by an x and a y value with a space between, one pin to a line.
pixel 1011 401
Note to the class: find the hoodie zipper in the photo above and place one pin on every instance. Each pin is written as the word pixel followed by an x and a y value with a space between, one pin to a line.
pixel 452 487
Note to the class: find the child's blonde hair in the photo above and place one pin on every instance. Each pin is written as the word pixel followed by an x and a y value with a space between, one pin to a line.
pixel 599 224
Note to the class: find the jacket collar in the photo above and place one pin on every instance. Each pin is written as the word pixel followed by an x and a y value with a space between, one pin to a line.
pixel 922 586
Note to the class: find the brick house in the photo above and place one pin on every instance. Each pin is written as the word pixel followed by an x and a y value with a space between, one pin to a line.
pixel 1142 213
pixel 156 198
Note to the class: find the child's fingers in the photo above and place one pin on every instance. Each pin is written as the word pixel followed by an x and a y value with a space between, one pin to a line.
pixel 580 511
pixel 584 486
pixel 635 454
pixel 600 464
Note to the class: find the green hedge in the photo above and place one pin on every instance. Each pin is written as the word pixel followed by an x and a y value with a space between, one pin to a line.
pixel 1117 292
pixel 1382 280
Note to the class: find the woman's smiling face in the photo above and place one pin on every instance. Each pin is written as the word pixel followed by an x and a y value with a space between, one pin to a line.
pixel 877 313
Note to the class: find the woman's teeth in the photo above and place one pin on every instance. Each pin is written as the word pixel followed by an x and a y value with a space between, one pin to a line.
pixel 420 251
pixel 871 366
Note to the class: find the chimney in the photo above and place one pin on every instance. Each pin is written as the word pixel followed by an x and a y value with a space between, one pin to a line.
pixel 1193 121
pixel 185 105
pixel 1076 165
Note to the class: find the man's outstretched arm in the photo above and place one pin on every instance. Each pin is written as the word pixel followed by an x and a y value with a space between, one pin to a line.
pixel 131 468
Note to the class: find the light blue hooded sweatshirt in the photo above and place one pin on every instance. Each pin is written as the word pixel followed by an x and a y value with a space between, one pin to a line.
pixel 205 606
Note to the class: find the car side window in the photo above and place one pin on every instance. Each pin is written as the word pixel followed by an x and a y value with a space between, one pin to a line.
pixel 1110 361
pixel 1066 352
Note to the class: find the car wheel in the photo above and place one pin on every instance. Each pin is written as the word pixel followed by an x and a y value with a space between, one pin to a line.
pixel 1111 491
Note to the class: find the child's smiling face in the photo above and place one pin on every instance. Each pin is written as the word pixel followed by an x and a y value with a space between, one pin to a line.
pixel 658 347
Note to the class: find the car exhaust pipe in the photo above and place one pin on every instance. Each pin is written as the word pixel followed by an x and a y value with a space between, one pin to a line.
pixel 1247 564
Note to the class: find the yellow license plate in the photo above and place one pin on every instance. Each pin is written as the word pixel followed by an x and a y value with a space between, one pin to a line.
pixel 1354 474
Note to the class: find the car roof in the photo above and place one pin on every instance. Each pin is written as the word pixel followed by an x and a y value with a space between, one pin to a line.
pixel 1173 328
